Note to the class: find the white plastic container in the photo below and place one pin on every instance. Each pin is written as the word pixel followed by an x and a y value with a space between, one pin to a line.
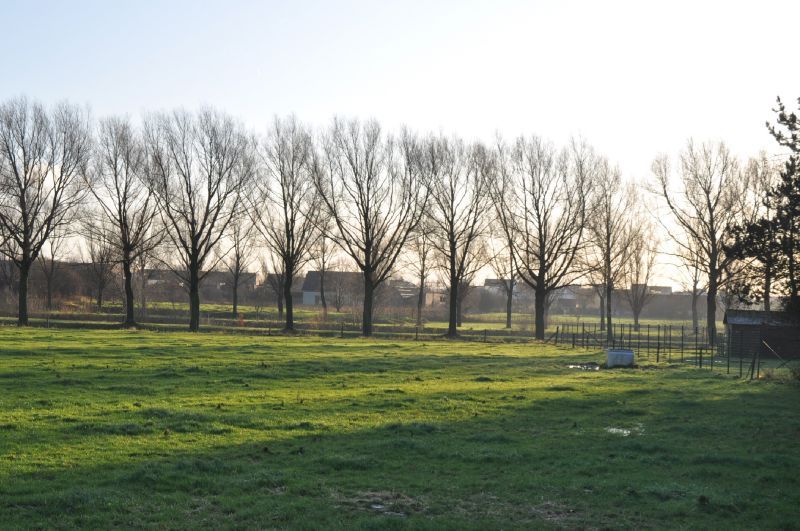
pixel 619 357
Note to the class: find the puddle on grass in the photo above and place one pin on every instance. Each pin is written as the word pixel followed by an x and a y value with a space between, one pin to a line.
pixel 590 366
pixel 638 429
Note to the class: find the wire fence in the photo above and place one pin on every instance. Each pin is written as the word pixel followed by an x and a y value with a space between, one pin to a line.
pixel 651 343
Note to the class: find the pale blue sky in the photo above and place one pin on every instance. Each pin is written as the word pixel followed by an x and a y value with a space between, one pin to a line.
pixel 634 78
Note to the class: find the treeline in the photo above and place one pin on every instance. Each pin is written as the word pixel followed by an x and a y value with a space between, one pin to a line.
pixel 197 191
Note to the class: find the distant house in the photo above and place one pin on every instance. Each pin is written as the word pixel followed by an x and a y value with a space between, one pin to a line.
pixel 402 291
pixel 752 332
pixel 339 285
pixel 657 290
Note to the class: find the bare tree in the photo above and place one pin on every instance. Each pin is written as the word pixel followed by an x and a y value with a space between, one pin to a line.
pixel 43 155
pixel 321 256
pixel 639 269
pixel 119 187
pixel 419 264
pixel 691 277
pixel 286 203
pixel 711 198
pixel 102 257
pixel 610 234
pixel 756 246
pixel 199 166
pixel 504 268
pixel 49 260
pixel 372 188
pixel 239 256
pixel 344 291
pixel 274 281
pixel 541 195
pixel 458 176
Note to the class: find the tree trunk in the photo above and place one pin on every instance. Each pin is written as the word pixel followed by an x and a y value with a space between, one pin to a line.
pixel 711 310
pixel 366 321
pixel 99 298
pixel 420 303
pixel 287 295
pixel 794 296
pixel 194 298
pixel 539 308
pixel 322 295
pixel 767 287
pixel 635 320
pixel 128 280
pixel 454 310
pixel 235 309
pixel 459 312
pixel 143 295
pixel 24 273
pixel 509 302
pixel 695 318
pixel 609 326
pixel 452 319
pixel 49 293
pixel 280 305
pixel 602 313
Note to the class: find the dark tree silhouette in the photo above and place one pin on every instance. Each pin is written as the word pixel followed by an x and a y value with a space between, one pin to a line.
pixel 543 196
pixel 43 155
pixel 199 167
pixel 711 198
pixel 611 233
pixel 239 256
pixel 120 189
pixel 372 188
pixel 459 177
pixel 285 203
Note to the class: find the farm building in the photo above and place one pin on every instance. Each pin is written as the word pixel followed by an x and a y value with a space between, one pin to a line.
pixel 752 332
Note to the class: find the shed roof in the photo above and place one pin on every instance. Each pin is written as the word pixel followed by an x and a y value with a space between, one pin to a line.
pixel 759 318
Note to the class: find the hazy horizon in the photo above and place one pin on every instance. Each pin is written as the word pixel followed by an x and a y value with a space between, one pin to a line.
pixel 633 79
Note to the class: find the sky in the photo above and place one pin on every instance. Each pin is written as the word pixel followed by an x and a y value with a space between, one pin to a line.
pixel 635 79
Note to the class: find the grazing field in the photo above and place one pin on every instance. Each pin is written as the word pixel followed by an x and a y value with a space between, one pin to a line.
pixel 142 429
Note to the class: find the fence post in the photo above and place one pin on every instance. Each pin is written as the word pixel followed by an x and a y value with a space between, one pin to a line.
pixel 669 345
pixel 573 340
pixel 557 329
pixel 658 344
pixel 416 333
pixel 583 335
pixel 758 363
pixel 711 355
pixel 648 341
pixel 681 343
pixel 701 357
pixel 728 351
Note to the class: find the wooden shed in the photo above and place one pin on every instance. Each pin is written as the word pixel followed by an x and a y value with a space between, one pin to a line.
pixel 750 332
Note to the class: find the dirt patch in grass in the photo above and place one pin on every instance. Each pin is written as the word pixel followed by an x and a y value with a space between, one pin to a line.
pixel 388 503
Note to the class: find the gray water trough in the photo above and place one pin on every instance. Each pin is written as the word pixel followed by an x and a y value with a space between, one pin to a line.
pixel 619 357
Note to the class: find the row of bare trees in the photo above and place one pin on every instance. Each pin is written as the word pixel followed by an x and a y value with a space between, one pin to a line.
pixel 201 186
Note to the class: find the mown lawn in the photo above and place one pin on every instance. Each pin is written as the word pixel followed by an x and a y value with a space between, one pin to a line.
pixel 104 429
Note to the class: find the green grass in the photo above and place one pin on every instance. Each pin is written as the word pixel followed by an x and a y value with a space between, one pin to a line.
pixel 114 428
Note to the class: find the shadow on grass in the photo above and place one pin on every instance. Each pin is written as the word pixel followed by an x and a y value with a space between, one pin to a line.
pixel 548 462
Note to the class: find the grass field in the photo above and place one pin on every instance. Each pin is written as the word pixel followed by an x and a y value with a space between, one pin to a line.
pixel 113 428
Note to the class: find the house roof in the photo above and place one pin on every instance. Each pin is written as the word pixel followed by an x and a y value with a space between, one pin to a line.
pixel 311 282
pixel 759 318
